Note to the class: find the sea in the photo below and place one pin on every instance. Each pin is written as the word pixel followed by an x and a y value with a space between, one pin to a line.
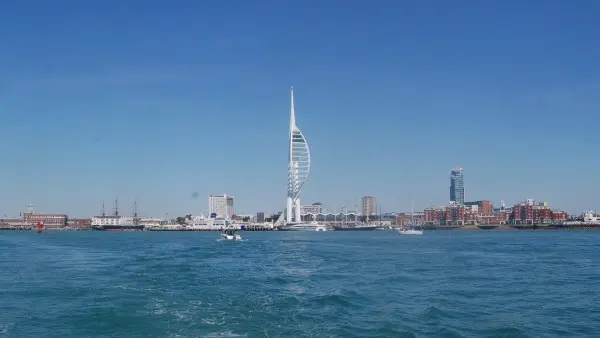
pixel 300 284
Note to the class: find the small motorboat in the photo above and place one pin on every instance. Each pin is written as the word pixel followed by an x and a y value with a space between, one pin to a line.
pixel 230 235
pixel 410 232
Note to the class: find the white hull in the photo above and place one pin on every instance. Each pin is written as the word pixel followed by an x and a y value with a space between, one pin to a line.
pixel 591 217
pixel 304 227
pixel 410 232
pixel 234 237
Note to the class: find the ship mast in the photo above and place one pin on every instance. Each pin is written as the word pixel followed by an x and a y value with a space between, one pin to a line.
pixel 117 207
pixel 135 215
pixel 103 210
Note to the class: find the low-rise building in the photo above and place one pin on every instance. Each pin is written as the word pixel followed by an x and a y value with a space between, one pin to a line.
pixel 45 218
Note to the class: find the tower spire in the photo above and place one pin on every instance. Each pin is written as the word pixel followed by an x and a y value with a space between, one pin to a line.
pixel 292 111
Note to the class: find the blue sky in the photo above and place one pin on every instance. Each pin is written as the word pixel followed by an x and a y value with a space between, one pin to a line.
pixel 156 100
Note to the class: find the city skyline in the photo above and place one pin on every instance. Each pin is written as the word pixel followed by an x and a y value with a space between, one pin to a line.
pixel 393 95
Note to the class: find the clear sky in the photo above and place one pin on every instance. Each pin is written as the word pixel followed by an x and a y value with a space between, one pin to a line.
pixel 156 100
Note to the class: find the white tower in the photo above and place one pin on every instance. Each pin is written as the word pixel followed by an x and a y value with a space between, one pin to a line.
pixel 298 169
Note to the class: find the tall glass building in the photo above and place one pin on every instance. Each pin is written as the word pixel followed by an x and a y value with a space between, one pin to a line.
pixel 457 186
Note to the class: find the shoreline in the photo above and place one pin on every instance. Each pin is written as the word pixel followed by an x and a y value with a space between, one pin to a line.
pixel 492 228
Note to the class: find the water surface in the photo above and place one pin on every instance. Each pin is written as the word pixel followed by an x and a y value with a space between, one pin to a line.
pixel 300 284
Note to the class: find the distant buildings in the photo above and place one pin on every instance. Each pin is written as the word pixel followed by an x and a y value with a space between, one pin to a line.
pixel 483 207
pixel 220 206
pixel 112 220
pixel 528 212
pixel 369 206
pixel 315 208
pixel 482 212
pixel 44 218
pixel 457 186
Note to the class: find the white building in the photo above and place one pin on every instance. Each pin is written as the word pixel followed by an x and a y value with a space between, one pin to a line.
pixel 369 206
pixel 150 221
pixel 221 206
pixel 312 209
pixel 112 220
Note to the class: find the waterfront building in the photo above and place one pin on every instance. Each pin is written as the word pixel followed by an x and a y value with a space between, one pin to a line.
pixel 79 223
pixel 48 219
pixel 298 169
pixel 312 209
pixel 484 206
pixel 260 217
pixel 112 220
pixel 369 206
pixel 221 206
pixel 45 218
pixel 457 186
pixel 149 222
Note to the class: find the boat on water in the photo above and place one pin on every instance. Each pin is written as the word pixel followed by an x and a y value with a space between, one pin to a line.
pixel 230 235
pixel 312 226
pixel 118 227
pixel 117 222
pixel 321 228
pixel 588 219
pixel 356 228
pixel 411 230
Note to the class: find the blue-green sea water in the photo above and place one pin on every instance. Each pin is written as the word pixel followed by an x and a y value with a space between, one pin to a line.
pixel 300 284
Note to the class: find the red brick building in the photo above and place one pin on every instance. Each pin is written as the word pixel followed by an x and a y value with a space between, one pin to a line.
pixel 434 216
pixel 527 213
pixel 46 219
pixel 484 207
pixel 559 216
pixel 542 215
pixel 455 214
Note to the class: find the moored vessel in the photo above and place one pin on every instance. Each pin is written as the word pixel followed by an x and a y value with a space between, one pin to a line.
pixel 117 222
pixel 312 226
pixel 411 230
pixel 365 227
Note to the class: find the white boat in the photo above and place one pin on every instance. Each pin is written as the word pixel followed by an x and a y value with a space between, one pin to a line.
pixel 312 226
pixel 411 230
pixel 230 235
pixel 591 217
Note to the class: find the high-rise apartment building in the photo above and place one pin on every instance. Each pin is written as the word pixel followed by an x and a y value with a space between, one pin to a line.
pixel 457 186
pixel 221 206
pixel 369 206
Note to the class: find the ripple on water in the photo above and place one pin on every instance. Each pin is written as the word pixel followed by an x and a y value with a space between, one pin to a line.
pixel 491 284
